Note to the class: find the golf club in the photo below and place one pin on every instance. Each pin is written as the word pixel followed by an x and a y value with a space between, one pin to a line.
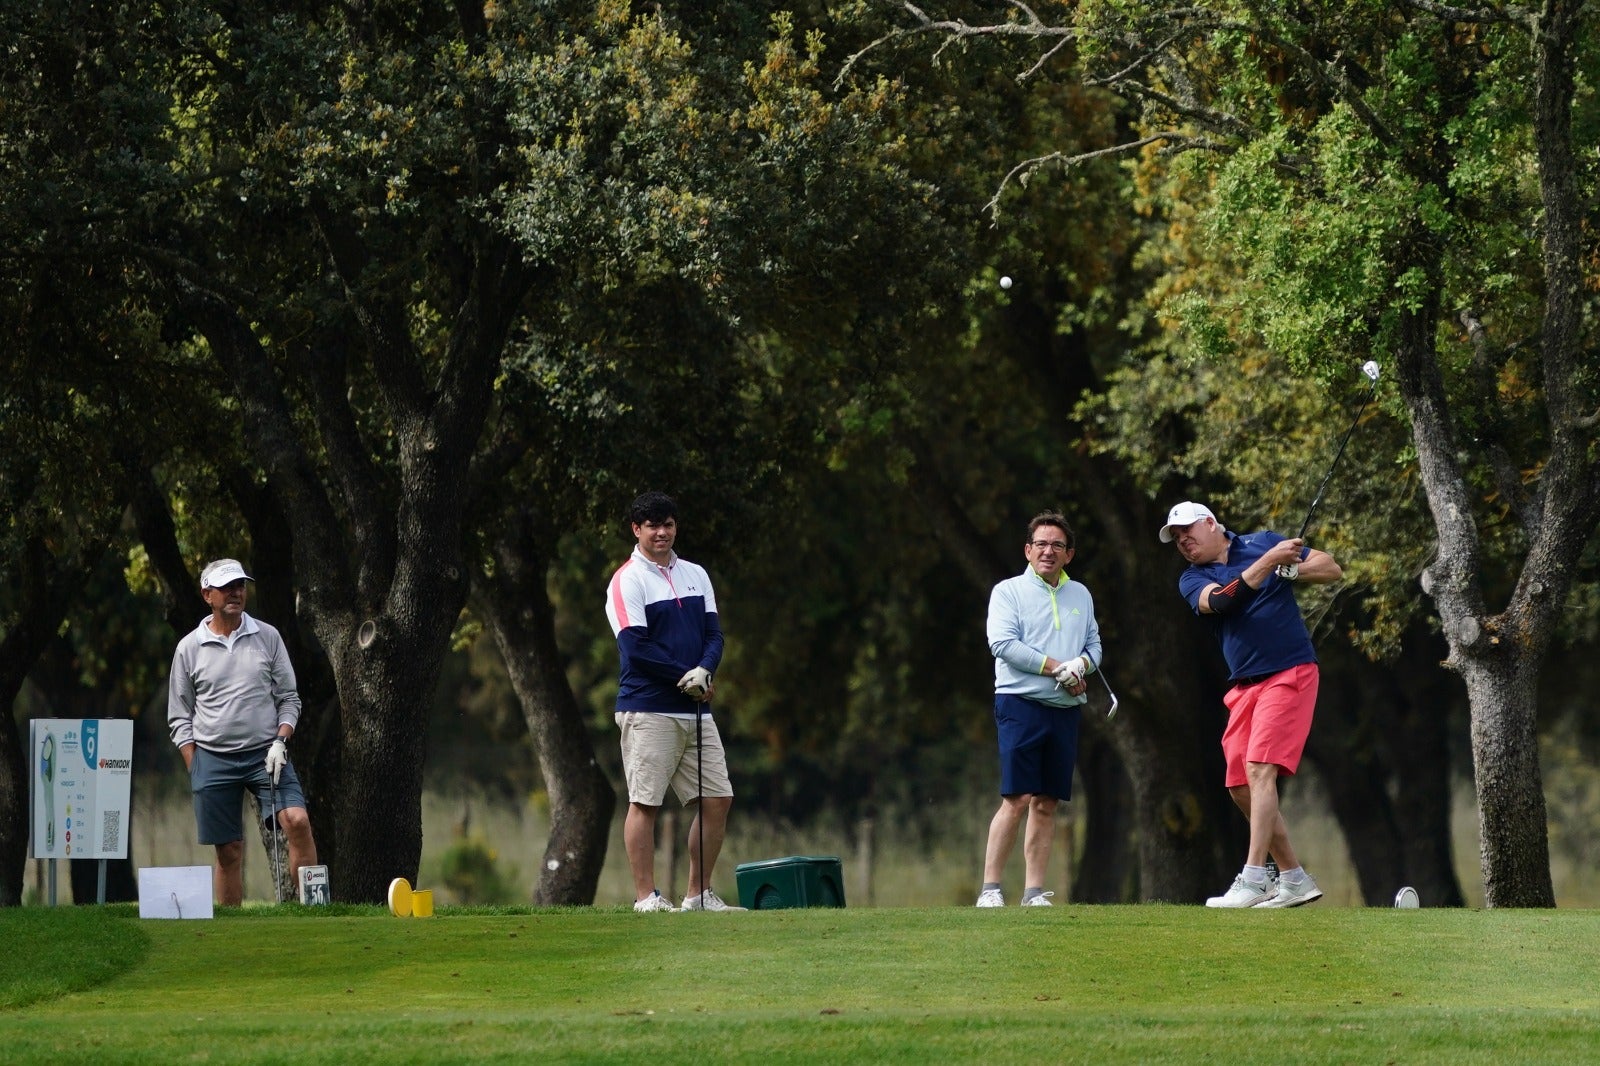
pixel 1111 712
pixel 1370 370
pixel 277 844
pixel 699 801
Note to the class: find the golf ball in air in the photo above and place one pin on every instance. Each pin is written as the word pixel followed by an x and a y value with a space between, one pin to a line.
pixel 1005 283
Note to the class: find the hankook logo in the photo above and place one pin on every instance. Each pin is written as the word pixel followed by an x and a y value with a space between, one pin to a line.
pixel 115 764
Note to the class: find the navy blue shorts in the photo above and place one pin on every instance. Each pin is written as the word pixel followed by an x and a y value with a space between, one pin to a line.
pixel 219 780
pixel 1038 746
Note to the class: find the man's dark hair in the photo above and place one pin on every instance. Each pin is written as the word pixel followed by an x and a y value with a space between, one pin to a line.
pixel 1052 518
pixel 652 507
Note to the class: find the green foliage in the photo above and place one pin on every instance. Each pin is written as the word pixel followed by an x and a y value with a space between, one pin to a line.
pixel 471 869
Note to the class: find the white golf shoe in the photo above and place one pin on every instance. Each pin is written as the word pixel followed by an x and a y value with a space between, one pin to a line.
pixel 991 897
pixel 655 901
pixel 1294 894
pixel 707 901
pixel 1243 893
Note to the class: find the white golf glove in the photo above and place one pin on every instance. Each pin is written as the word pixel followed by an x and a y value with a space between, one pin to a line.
pixel 1288 571
pixel 695 682
pixel 1073 671
pixel 277 758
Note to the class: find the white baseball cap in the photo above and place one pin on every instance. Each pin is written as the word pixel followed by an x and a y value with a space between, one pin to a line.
pixel 222 572
pixel 1184 514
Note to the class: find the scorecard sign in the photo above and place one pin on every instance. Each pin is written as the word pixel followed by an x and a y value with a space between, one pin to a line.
pixel 80 773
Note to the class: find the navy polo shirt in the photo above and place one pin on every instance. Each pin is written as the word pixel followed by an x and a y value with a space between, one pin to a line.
pixel 1268 635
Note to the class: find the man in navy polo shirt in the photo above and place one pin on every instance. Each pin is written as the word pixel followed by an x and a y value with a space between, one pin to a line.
pixel 1242 585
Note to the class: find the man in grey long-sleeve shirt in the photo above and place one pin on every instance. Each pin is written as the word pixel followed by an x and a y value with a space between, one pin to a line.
pixel 231 708
pixel 1045 643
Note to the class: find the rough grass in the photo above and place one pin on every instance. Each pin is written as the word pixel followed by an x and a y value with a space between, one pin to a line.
pixel 1067 984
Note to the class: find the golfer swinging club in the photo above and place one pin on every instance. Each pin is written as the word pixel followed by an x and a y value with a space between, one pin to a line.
pixel 1241 584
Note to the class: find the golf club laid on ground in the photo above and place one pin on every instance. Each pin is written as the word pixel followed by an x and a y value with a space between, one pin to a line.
pixel 1370 369
pixel 277 847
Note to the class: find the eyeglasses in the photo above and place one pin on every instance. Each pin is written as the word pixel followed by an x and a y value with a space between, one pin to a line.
pixel 1049 545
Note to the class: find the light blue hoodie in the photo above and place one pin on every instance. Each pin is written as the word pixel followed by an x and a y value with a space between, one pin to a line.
pixel 1029 620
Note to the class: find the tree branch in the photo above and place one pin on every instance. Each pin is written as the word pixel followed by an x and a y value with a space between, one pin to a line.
pixel 1451 13
pixel 1178 142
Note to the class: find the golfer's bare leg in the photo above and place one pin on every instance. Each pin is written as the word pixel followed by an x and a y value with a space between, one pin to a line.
pixel 296 828
pixel 1003 835
pixel 1269 834
pixel 639 841
pixel 714 809
pixel 1036 841
pixel 228 875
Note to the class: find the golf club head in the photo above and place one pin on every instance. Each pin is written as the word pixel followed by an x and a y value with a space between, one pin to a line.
pixel 1370 369
pixel 1111 712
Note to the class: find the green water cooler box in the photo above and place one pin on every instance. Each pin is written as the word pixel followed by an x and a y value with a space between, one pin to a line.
pixel 796 881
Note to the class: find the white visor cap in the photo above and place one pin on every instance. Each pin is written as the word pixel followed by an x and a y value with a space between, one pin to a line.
pixel 222 572
pixel 1186 513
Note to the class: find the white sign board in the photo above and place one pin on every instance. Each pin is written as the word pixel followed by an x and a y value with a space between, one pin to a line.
pixel 314 887
pixel 175 892
pixel 80 775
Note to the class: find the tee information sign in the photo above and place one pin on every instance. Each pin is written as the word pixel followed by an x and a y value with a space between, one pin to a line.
pixel 80 775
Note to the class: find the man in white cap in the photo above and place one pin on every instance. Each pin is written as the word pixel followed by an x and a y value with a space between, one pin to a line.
pixel 1242 585
pixel 231 707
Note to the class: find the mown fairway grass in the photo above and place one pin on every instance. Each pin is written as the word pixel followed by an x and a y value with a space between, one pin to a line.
pixel 1069 984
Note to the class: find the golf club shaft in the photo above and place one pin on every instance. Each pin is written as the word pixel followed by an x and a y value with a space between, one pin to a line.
pixel 1333 465
pixel 277 848
pixel 700 805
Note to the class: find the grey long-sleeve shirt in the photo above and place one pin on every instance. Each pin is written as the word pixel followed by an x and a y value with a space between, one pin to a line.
pixel 231 693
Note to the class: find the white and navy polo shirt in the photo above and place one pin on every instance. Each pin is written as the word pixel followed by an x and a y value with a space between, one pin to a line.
pixel 665 622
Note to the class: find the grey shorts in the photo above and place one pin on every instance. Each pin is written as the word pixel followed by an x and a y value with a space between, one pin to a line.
pixel 658 750
pixel 219 780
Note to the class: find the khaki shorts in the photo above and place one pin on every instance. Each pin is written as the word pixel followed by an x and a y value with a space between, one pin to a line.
pixel 658 750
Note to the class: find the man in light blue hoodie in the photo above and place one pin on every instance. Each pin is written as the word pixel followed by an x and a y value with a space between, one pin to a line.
pixel 1045 643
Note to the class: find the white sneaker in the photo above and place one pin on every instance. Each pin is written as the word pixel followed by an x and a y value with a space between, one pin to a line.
pixel 1041 900
pixel 1294 895
pixel 991 897
pixel 706 901
pixel 655 901
pixel 1243 893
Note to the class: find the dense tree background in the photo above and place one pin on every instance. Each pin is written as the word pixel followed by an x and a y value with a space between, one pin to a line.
pixel 404 305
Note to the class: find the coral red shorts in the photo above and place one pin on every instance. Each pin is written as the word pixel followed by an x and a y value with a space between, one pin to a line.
pixel 1269 721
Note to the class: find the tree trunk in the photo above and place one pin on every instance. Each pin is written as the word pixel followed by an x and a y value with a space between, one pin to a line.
pixel 1431 698
pixel 517 606
pixel 1167 670
pixel 1107 872
pixel 48 586
pixel 1511 813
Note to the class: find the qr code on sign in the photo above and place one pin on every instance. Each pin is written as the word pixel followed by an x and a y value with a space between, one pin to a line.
pixel 111 831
